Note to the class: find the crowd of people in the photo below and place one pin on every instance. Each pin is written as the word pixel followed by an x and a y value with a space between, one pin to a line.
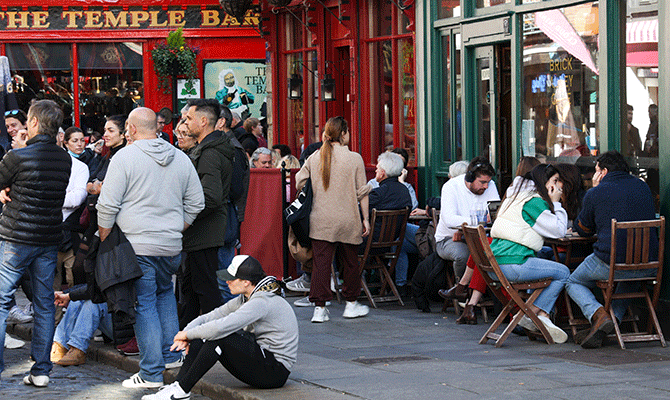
pixel 166 211
pixel 172 206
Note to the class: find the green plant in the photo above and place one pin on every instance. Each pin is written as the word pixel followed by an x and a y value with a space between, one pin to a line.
pixel 174 58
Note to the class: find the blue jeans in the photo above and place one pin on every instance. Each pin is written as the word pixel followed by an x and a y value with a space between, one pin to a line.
pixel 226 255
pixel 79 323
pixel 584 278
pixel 537 268
pixel 156 315
pixel 40 261
pixel 408 246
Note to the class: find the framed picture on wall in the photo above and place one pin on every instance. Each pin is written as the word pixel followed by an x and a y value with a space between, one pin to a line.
pixel 238 84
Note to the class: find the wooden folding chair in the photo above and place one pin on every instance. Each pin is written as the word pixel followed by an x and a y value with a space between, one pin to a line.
pixel 638 257
pixel 483 257
pixel 381 252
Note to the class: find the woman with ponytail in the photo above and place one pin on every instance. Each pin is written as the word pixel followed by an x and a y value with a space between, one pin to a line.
pixel 338 184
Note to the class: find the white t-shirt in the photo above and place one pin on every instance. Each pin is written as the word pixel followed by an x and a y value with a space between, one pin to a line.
pixel 456 203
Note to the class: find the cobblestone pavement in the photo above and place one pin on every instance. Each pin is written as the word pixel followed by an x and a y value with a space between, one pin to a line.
pixel 89 381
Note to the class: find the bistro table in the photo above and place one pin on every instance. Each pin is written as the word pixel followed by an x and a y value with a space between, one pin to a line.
pixel 568 242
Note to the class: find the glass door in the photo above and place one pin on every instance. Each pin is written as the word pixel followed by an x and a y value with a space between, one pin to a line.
pixel 493 136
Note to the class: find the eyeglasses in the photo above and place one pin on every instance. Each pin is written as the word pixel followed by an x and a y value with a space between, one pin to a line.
pixel 11 112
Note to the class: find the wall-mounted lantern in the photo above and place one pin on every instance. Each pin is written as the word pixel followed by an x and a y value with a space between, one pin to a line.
pixel 328 88
pixel 295 87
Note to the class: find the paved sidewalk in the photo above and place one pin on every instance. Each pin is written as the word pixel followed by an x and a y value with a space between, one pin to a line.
pixel 400 353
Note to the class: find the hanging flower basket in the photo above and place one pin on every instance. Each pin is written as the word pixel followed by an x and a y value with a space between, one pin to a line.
pixel 236 8
pixel 174 58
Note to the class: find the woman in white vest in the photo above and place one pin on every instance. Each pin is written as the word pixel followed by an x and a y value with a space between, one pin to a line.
pixel 531 212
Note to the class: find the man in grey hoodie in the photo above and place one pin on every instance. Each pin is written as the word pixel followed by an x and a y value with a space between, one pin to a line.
pixel 153 193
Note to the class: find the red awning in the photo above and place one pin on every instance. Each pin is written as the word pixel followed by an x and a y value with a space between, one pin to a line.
pixel 643 31
pixel 642 58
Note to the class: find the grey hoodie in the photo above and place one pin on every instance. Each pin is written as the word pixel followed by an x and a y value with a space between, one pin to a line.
pixel 151 189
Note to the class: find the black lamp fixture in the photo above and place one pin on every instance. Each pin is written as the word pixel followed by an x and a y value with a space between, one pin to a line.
pixel 328 88
pixel 295 87
pixel 236 8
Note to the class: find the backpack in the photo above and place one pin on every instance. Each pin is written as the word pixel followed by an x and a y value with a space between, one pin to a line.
pixel 429 277
pixel 240 169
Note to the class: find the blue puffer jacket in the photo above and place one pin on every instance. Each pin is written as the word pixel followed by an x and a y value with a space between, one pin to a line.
pixel 37 176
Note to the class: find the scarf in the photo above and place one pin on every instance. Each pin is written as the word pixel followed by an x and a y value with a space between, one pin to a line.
pixel 267 284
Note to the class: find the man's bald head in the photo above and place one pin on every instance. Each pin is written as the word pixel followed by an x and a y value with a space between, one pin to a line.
pixel 142 123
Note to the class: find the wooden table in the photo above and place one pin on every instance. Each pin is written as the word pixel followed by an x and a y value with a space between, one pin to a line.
pixel 567 243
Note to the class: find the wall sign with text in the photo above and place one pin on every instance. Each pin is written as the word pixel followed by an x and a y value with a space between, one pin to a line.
pixel 114 18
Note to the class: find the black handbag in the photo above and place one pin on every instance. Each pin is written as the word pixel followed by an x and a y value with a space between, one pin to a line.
pixel 297 214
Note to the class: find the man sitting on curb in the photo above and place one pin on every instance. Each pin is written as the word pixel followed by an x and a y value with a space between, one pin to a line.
pixel 254 336
pixel 615 194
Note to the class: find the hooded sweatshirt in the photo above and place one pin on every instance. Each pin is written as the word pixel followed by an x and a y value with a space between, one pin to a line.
pixel 151 189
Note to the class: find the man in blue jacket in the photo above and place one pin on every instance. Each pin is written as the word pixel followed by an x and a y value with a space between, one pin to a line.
pixel 615 194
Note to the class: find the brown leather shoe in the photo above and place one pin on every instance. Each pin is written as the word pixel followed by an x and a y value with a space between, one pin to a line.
pixel 601 326
pixel 458 292
pixel 468 316
pixel 73 357
pixel 57 352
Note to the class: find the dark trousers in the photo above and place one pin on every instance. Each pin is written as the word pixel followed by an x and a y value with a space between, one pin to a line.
pixel 200 289
pixel 240 355
pixel 323 258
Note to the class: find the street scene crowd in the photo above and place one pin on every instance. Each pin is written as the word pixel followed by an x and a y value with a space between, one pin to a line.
pixel 135 235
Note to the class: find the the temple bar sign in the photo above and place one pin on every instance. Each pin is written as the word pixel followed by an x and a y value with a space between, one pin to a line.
pixel 96 18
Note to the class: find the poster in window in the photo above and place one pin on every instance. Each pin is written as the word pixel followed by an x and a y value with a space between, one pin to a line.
pixel 240 85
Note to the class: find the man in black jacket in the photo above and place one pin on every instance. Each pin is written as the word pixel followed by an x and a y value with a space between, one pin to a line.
pixel 212 157
pixel 34 181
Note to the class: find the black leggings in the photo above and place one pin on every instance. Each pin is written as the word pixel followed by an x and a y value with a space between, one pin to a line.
pixel 240 355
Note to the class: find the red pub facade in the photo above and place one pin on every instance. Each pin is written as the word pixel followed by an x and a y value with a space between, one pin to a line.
pixel 94 57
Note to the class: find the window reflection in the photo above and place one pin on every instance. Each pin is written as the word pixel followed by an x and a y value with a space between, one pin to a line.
pixel 639 141
pixel 381 105
pixel 110 82
pixel 42 71
pixel 560 52
pixel 490 3
pixel 408 105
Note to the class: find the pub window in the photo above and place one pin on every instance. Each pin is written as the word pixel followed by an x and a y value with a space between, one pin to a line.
pixel 640 136
pixel 43 71
pixel 560 74
pixel 301 65
pixel 110 82
pixel 392 107
pixel 451 110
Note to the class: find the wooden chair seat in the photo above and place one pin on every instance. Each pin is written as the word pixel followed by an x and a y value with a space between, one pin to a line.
pixel 383 246
pixel 485 261
pixel 638 257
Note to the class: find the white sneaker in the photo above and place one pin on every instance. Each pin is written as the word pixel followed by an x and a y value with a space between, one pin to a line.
pixel 354 309
pixel 178 363
pixel 17 316
pixel 527 323
pixel 136 381
pixel 321 314
pixel 299 285
pixel 555 332
pixel 304 302
pixel 36 380
pixel 13 343
pixel 168 392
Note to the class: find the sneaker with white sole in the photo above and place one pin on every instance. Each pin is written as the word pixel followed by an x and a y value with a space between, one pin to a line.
pixel 13 343
pixel 304 302
pixel 527 323
pixel 28 309
pixel 321 314
pixel 354 309
pixel 178 363
pixel 301 284
pixel 18 316
pixel 169 392
pixel 555 332
pixel 36 380
pixel 136 381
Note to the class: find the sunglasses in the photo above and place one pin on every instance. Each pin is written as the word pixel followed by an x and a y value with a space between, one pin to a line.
pixel 11 112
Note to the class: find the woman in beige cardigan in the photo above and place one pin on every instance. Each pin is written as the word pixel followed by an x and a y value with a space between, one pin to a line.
pixel 338 184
